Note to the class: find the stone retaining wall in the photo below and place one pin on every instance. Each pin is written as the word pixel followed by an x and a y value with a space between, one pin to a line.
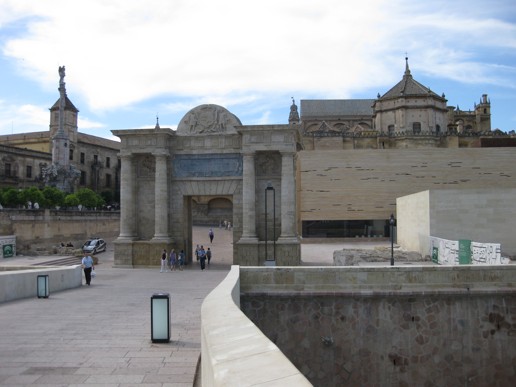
pixel 402 326
pixel 21 282
pixel 40 232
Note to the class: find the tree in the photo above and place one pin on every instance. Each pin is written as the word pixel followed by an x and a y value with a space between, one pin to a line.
pixel 89 199
pixel 54 197
pixel 11 198
pixel 71 200
pixel 33 195
pixel 107 196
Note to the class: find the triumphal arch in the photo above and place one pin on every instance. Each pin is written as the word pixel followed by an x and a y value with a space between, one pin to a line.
pixel 211 154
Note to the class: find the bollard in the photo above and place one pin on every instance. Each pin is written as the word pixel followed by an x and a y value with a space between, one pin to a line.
pixel 160 318
pixel 42 286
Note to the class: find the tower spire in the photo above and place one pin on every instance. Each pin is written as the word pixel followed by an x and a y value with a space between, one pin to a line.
pixel 407 69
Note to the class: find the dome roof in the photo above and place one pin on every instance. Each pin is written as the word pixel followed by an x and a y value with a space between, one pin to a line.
pixel 408 87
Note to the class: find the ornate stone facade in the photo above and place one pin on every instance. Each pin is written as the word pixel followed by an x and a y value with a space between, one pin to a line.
pixel 408 115
pixel 211 155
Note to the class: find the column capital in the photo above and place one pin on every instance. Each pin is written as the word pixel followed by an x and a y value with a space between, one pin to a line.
pixel 161 153
pixel 126 155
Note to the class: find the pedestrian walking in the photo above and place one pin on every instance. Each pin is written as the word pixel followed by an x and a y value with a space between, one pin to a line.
pixel 197 248
pixel 88 266
pixel 208 255
pixel 163 261
pixel 173 260
pixel 181 260
pixel 211 235
pixel 202 258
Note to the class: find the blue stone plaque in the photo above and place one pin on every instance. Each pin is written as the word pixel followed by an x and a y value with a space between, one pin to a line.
pixel 207 165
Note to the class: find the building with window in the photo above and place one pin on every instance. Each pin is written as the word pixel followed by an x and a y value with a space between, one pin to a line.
pixel 24 156
pixel 359 155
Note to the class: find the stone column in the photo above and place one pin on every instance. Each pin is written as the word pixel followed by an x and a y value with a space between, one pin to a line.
pixel 127 198
pixel 288 195
pixel 161 197
pixel 249 197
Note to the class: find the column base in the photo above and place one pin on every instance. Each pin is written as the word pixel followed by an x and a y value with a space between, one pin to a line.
pixel 248 239
pixel 161 239
pixel 288 239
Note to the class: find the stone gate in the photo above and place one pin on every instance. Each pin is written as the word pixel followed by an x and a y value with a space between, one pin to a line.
pixel 211 154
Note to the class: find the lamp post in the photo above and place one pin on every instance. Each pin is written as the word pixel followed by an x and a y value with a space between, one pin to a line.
pixel 270 188
pixel 391 222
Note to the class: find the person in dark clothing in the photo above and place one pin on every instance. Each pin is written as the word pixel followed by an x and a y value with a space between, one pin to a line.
pixel 202 258
pixel 208 255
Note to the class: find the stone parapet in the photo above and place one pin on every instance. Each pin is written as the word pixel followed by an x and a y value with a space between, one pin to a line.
pixel 20 282
pixel 362 280
pixel 234 351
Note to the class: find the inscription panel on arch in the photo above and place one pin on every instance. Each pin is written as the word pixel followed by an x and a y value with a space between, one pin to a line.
pixel 207 165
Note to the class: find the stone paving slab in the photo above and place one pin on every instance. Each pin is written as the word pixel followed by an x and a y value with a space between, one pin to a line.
pixel 101 334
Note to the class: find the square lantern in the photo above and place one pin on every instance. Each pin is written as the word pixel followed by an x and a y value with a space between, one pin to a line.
pixel 160 318
pixel 42 286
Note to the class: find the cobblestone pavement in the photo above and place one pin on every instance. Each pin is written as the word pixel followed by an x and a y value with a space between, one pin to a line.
pixel 101 334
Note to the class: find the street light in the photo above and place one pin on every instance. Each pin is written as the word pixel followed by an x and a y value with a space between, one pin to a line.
pixel 270 188
pixel 391 222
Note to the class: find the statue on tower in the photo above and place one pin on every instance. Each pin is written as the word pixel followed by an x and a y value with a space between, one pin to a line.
pixel 61 74
pixel 61 173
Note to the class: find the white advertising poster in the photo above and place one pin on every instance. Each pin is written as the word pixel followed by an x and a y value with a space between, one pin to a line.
pixel 446 252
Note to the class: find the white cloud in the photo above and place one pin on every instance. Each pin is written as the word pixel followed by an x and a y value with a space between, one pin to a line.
pixel 85 123
pixel 23 118
pixel 233 52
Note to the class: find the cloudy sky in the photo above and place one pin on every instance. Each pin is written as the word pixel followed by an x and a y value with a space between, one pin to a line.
pixel 128 61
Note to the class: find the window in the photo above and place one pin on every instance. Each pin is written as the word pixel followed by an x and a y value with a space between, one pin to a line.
pixel 7 169
pixel 83 178
pixel 108 162
pixel 71 154
pixel 416 127
pixel 28 171
pixel 82 157
pixel 390 129
pixel 437 129
pixel 95 159
pixel 108 180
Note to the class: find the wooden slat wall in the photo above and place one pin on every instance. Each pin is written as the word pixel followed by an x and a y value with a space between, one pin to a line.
pixel 364 184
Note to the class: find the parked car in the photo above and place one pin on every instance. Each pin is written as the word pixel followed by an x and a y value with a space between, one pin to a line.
pixel 94 246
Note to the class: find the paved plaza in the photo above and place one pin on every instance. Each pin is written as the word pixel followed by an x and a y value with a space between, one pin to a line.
pixel 101 334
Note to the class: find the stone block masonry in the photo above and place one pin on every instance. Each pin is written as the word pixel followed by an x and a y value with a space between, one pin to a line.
pixel 399 326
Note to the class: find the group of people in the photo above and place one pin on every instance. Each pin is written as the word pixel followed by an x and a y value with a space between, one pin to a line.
pixel 175 261
pixel 172 261
pixel 202 255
